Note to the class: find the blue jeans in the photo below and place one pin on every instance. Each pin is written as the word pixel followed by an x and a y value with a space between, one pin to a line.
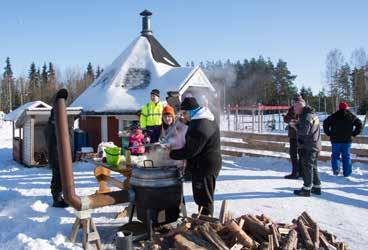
pixel 342 149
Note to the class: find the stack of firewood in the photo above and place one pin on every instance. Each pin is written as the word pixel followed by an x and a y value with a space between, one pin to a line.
pixel 247 232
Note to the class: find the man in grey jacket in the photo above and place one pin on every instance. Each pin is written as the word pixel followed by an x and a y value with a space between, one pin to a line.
pixel 309 146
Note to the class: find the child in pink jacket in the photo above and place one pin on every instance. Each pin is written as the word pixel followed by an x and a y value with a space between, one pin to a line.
pixel 136 142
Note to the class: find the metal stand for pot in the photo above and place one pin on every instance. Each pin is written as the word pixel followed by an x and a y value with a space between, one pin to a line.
pixel 90 233
pixel 149 212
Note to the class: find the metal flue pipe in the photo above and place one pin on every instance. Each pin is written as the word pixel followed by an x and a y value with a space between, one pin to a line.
pixel 66 165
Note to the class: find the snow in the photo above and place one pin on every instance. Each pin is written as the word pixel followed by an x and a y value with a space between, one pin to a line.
pixel 250 184
pixel 35 105
pixel 106 93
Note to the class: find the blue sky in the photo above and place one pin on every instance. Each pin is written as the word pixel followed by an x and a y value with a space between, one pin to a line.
pixel 71 33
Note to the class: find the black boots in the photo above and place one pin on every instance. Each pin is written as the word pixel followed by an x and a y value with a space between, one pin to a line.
pixel 291 176
pixel 306 193
pixel 59 202
pixel 302 192
pixel 316 190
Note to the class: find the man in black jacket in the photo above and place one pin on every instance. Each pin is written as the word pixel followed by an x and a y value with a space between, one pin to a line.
pixel 56 187
pixel 202 151
pixel 341 127
pixel 291 118
pixel 309 145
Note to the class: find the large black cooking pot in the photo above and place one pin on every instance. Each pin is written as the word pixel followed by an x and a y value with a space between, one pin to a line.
pixel 158 189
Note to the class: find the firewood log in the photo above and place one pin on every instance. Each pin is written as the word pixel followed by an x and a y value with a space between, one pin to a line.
pixel 182 243
pixel 264 246
pixel 242 237
pixel 316 236
pixel 206 218
pixel 326 245
pixel 223 211
pixel 276 235
pixel 271 245
pixel 195 221
pixel 210 235
pixel 291 239
pixel 304 234
pixel 253 227
pixel 180 229
pixel 309 219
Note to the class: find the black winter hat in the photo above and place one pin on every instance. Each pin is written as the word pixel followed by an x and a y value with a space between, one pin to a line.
pixel 155 92
pixel 189 103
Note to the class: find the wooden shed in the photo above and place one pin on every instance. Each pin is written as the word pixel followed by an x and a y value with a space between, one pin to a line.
pixel 29 123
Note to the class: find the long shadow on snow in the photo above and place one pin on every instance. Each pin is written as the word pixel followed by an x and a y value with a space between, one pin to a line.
pixel 245 177
pixel 244 196
pixel 336 198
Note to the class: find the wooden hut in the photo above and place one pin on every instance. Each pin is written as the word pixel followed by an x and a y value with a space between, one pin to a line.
pixel 29 123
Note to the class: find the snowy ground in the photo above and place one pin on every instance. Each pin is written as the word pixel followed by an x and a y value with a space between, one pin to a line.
pixel 252 185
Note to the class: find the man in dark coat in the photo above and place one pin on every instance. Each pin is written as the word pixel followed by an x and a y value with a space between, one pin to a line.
pixel 56 187
pixel 291 118
pixel 309 145
pixel 202 151
pixel 341 127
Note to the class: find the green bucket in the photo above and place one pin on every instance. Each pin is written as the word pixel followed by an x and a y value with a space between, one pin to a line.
pixel 113 156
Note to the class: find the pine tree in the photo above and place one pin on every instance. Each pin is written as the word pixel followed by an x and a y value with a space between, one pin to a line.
pixel 44 93
pixel 89 76
pixel 283 81
pixel 187 64
pixel 51 81
pixel 33 82
pixel 359 87
pixel 98 71
pixel 7 86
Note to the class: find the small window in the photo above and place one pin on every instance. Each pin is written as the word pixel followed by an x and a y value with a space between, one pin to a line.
pixel 136 78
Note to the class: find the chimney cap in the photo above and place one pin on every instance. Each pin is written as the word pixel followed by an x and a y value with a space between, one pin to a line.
pixel 146 13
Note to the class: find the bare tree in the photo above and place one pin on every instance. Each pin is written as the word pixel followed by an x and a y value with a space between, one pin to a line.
pixel 358 58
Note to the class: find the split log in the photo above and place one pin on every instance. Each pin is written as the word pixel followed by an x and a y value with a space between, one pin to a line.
pixel 237 246
pixel 316 241
pixel 243 238
pixel 326 245
pixel 291 240
pixel 209 234
pixel 180 229
pixel 223 211
pixel 254 227
pixel 182 243
pixel 304 234
pixel 309 219
pixel 206 218
pixel 271 245
pixel 276 235
pixel 241 222
pixel 195 221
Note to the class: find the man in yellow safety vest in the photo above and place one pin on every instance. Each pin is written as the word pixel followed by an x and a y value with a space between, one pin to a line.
pixel 151 116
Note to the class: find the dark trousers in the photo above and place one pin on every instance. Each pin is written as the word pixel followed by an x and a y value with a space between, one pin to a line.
pixel 56 187
pixel 309 160
pixel 294 157
pixel 203 192
pixel 154 133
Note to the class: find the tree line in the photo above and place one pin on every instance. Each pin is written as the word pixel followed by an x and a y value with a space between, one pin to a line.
pixel 41 83
pixel 248 82
pixel 260 81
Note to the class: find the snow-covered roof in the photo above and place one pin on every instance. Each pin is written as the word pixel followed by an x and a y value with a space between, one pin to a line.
pixel 126 84
pixel 35 105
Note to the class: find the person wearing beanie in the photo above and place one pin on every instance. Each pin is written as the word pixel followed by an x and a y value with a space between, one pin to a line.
pixel 291 118
pixel 309 145
pixel 341 126
pixel 202 152
pixel 151 116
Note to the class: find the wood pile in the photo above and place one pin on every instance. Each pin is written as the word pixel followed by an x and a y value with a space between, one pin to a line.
pixel 247 232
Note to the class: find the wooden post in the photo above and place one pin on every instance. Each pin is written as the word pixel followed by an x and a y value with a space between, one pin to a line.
pixel 89 230
pixel 228 117
pixel 236 117
pixel 259 121
pixel 253 120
